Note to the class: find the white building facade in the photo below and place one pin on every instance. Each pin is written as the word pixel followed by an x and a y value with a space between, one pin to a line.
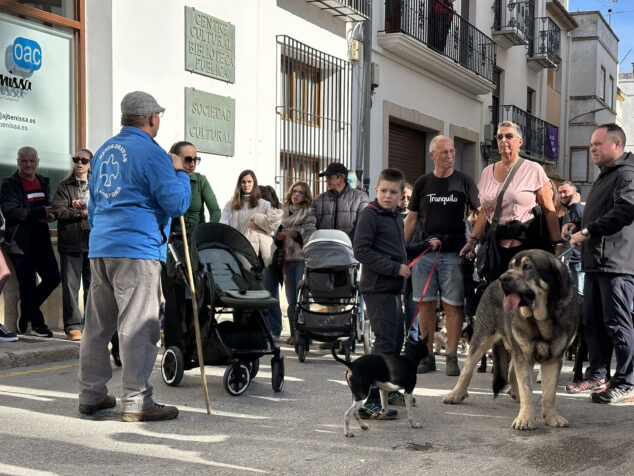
pixel 593 92
pixel 502 60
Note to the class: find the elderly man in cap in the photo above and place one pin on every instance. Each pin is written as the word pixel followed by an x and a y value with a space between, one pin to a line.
pixel 135 188
pixel 338 207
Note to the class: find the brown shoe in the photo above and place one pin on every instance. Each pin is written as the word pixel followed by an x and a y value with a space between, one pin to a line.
pixel 74 335
pixel 157 412
pixel 108 402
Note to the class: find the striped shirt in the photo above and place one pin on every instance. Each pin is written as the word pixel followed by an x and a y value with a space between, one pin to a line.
pixel 34 193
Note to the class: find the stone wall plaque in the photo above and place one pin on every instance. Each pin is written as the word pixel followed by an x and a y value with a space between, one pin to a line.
pixel 209 46
pixel 210 122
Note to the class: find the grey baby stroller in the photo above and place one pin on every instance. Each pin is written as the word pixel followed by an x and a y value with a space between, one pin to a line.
pixel 328 301
pixel 228 280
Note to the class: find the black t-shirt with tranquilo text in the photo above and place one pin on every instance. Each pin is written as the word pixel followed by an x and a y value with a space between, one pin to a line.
pixel 442 205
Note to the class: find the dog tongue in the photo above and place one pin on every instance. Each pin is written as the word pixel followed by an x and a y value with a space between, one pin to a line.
pixel 511 301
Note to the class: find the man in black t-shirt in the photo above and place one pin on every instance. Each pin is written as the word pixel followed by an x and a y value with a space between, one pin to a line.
pixel 440 203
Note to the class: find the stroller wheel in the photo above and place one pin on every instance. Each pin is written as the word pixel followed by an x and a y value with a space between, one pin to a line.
pixel 277 373
pixel 254 367
pixel 236 378
pixel 172 366
pixel 301 352
pixel 367 337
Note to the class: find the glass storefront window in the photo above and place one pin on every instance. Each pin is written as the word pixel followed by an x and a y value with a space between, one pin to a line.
pixel 63 8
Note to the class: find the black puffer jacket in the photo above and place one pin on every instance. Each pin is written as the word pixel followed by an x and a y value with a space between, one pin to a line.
pixel 70 237
pixel 609 217
pixel 23 228
pixel 379 244
pixel 335 211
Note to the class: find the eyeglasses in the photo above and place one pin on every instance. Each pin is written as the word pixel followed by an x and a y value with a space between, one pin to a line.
pixel 189 160
pixel 81 159
pixel 159 114
pixel 507 136
pixel 297 192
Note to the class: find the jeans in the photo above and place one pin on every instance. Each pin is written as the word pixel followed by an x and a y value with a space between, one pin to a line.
pixel 124 296
pixel 75 268
pixel 274 314
pixel 410 309
pixel 607 318
pixel 40 260
pixel 293 273
pixel 578 276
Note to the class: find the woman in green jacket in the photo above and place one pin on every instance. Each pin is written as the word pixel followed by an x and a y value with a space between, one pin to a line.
pixel 174 290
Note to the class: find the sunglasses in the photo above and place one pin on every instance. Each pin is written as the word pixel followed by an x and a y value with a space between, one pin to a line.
pixel 507 136
pixel 81 159
pixel 189 160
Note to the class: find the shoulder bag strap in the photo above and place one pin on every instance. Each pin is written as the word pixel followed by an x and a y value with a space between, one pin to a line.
pixel 500 197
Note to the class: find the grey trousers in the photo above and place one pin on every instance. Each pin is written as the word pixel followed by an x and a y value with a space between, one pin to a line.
pixel 124 296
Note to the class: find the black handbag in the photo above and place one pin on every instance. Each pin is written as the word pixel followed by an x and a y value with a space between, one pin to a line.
pixel 488 254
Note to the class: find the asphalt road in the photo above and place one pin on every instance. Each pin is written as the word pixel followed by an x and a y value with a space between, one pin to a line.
pixel 299 430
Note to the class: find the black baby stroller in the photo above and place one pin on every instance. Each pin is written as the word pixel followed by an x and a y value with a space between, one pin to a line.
pixel 328 295
pixel 228 279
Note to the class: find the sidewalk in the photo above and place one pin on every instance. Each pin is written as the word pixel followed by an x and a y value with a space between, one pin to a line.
pixel 32 350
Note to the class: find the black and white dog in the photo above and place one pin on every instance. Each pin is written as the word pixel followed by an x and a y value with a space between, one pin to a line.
pixel 386 372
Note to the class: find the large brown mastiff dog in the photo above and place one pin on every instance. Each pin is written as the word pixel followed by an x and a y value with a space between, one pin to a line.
pixel 530 310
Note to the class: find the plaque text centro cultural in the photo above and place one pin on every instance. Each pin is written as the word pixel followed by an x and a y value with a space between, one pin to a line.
pixel 209 46
pixel 210 122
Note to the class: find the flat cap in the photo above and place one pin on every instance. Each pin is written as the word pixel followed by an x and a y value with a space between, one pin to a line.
pixel 139 103
pixel 333 169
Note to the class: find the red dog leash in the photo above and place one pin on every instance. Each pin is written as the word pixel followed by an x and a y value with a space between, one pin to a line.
pixel 411 325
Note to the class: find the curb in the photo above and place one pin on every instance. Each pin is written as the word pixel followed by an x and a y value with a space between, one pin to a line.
pixel 41 354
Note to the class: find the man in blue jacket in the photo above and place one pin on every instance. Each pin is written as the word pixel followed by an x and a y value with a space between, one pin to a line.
pixel 135 187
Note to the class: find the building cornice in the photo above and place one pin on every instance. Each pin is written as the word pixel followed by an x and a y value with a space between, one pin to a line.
pixel 561 15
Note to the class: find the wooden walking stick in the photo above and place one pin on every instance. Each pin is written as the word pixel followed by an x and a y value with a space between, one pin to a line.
pixel 199 345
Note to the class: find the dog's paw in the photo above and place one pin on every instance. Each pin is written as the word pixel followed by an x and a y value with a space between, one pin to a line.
pixel 555 421
pixel 455 397
pixel 348 434
pixel 415 424
pixel 513 395
pixel 523 423
pixel 364 426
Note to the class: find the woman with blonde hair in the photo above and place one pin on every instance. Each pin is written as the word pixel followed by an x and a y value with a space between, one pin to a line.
pixel 521 223
pixel 297 225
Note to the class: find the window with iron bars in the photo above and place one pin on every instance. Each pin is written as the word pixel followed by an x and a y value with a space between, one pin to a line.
pixel 313 111
pixel 302 89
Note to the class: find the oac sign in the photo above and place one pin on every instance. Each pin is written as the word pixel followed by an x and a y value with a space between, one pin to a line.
pixel 210 122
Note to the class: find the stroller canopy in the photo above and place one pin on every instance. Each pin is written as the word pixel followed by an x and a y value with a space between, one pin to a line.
pixel 329 249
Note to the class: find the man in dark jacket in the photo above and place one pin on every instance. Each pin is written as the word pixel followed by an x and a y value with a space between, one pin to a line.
pixel 607 234
pixel 25 204
pixel 338 207
pixel 571 201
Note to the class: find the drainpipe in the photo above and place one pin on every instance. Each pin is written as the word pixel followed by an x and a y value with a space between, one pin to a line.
pixel 363 155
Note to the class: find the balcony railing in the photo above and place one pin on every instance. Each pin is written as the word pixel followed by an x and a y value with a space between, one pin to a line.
pixel 513 24
pixel 349 10
pixel 545 48
pixel 540 137
pixel 443 31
